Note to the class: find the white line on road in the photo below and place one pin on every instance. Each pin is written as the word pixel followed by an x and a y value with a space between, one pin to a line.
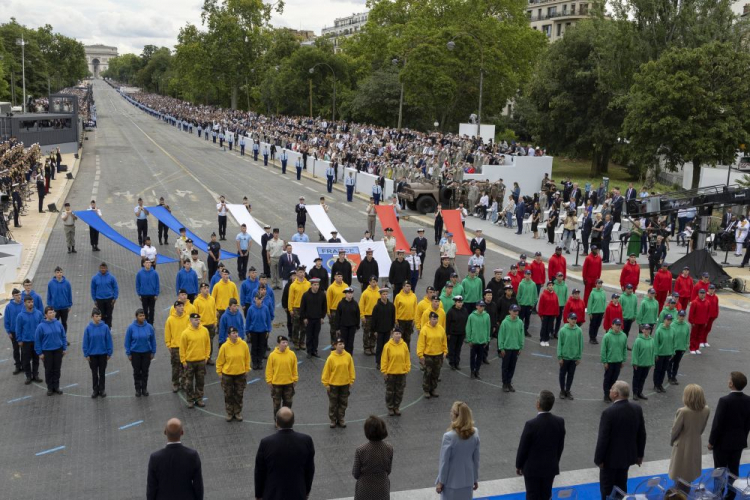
pixel 298 183
pixel 311 189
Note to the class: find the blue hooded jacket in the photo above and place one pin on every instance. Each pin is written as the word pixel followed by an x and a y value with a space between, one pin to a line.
pixel 59 294
pixel 187 280
pixel 147 283
pixel 49 336
pixel 12 310
pixel 247 291
pixel 97 339
pixel 228 320
pixel 140 338
pixel 258 319
pixel 26 323
pixel 214 279
pixel 104 287
pixel 38 304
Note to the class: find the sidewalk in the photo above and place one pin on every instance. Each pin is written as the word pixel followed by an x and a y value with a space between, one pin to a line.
pixel 36 228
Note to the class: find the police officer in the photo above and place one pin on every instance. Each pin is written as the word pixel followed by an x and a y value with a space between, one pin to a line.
pixel 298 166
pixel 141 220
pixel 330 175
pixel 349 182
pixel 284 158
pixel 338 377
pixel 281 374
pixel 377 193
pixel 256 148
pixel 195 349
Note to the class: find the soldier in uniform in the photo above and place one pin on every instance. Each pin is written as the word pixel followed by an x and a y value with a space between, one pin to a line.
pixel 281 374
pixel 195 349
pixel 432 348
pixel 232 366
pixel 395 365
pixel 338 377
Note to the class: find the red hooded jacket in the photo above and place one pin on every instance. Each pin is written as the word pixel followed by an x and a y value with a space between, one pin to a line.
pixel 683 285
pixel 575 306
pixel 549 304
pixel 592 268
pixel 538 272
pixel 557 264
pixel 663 281
pixel 612 312
pixel 699 312
pixel 630 275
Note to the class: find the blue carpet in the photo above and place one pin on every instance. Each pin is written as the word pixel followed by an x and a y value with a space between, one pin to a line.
pixel 590 491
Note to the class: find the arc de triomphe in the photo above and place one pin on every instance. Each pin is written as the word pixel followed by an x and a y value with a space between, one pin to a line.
pixel 98 56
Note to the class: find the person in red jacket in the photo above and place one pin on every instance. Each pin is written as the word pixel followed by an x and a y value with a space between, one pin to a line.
pixel 684 286
pixel 576 305
pixel 630 274
pixel 612 312
pixel 515 277
pixel 557 264
pixel 592 271
pixel 548 309
pixel 663 284
pixel 700 285
pixel 538 272
pixel 713 313
pixel 698 318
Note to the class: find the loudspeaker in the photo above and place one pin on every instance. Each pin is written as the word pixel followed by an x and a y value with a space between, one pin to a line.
pixel 52 207
pixel 63 168
pixel 69 175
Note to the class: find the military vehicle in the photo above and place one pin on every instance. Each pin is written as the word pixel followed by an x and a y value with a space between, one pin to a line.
pixel 423 196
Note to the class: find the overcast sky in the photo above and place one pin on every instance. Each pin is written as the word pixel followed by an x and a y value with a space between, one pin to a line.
pixel 131 24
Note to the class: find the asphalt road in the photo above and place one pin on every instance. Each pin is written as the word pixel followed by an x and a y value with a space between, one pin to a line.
pixel 107 441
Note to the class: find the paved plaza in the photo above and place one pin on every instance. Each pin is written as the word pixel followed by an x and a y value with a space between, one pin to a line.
pixel 99 448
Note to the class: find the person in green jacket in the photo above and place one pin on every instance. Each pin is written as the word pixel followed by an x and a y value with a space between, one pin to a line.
pixel 472 288
pixel 669 308
pixel 595 308
pixel 664 347
pixel 527 298
pixel 569 352
pixel 648 311
pixel 458 289
pixel 510 340
pixel 681 331
pixel 477 336
pixel 629 304
pixel 446 296
pixel 642 360
pixel 561 290
pixel 614 354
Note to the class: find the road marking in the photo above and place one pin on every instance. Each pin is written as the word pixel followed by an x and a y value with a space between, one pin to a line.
pixel 363 212
pixel 51 450
pixel 298 183
pixel 132 424
pixel 69 386
pixel 18 399
pixel 541 355
pixel 111 373
pixel 729 350
pixel 253 381
pixel 311 189
pixel 3 360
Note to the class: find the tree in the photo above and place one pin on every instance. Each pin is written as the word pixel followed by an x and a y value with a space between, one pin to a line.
pixel 377 97
pixel 690 105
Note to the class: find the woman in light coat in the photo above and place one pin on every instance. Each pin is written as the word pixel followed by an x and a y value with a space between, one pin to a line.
pixel 458 474
pixel 741 234
pixel 689 424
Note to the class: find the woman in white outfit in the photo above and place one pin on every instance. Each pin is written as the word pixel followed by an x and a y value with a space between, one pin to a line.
pixel 740 234
pixel 458 475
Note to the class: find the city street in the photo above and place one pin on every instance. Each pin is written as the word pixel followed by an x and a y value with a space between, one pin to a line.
pixel 71 446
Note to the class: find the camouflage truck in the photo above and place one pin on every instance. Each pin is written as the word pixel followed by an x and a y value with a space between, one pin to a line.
pixel 424 195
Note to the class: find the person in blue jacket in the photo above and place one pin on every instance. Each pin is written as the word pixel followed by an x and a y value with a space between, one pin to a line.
pixel 140 347
pixel 187 279
pixel 248 289
pixel 147 288
pixel 26 323
pixel 27 290
pixel 12 310
pixel 216 277
pixel 257 326
pixel 60 296
pixel 50 344
pixel 231 317
pixel 104 292
pixel 97 349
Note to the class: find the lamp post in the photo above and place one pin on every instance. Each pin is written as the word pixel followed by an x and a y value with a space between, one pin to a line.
pixel 401 98
pixel 451 46
pixel 312 70
pixel 22 43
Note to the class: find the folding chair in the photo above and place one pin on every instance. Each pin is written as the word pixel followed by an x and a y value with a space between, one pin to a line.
pixel 710 486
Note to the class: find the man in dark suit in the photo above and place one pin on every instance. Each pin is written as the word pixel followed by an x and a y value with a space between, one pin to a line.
pixel 175 470
pixel 621 441
pixel 575 195
pixel 284 464
pixel 617 203
pixel 607 237
pixel 731 425
pixel 288 262
pixel 540 449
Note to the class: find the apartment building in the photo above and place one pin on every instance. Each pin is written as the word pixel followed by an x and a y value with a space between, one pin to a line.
pixel 553 17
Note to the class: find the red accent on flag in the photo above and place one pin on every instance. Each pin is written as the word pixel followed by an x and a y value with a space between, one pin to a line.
pixel 387 217
pixel 452 221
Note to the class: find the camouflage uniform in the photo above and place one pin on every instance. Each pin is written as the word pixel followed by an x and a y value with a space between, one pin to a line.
pixel 195 376
pixel 211 334
pixel 298 329
pixel 338 400
pixel 282 396
pixel 394 391
pixel 234 389
pixel 178 373
pixel 368 336
pixel 407 328
pixel 334 326
pixel 432 365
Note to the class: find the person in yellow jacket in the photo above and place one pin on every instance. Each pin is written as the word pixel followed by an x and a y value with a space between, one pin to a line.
pixel 182 296
pixel 367 302
pixel 194 351
pixel 334 294
pixel 424 305
pixel 176 323
pixel 406 311
pixel 224 289
pixel 432 348
pixel 232 366
pixel 281 374
pixel 205 305
pixel 395 364
pixel 296 290
pixel 338 377
pixel 435 307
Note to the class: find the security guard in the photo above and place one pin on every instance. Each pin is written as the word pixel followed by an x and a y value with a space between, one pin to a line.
pixel 350 181
pixel 177 322
pixel 281 374
pixel 394 365
pixel 232 366
pixel 614 353
pixel 432 348
pixel 265 156
pixel 256 148
pixel 195 349
pixel 337 377
pixel 298 166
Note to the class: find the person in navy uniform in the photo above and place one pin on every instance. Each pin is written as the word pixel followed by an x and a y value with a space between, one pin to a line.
pixel 330 176
pixel 256 148
pixel 284 159
pixel 349 182
pixel 298 166
pixel 301 212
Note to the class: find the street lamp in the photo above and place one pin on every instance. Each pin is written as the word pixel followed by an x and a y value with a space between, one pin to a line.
pixel 401 98
pixel 22 43
pixel 312 70
pixel 451 46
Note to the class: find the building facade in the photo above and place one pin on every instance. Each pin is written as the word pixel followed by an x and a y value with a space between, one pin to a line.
pixel 98 56
pixel 344 27
pixel 553 17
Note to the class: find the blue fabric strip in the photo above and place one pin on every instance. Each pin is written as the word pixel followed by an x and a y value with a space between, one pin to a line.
pixel 172 223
